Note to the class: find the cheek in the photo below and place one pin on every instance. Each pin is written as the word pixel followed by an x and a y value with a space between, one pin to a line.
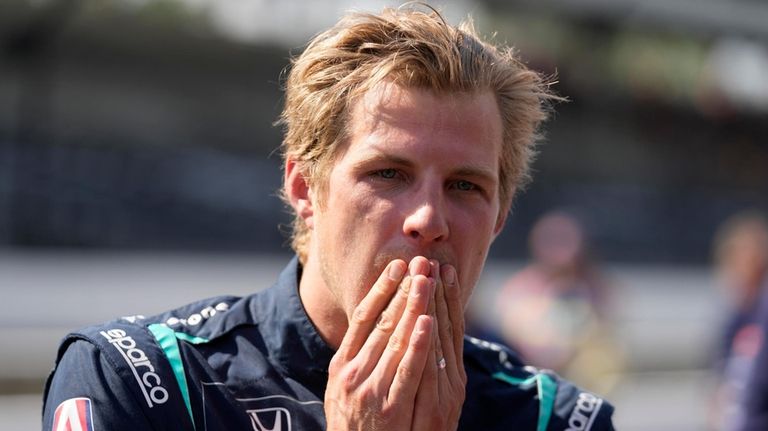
pixel 473 275
pixel 376 219
pixel 475 233
pixel 475 253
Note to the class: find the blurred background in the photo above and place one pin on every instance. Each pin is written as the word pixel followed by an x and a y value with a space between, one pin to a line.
pixel 139 170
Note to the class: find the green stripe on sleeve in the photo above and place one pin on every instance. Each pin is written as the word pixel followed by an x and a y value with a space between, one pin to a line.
pixel 515 381
pixel 191 338
pixel 166 337
pixel 546 388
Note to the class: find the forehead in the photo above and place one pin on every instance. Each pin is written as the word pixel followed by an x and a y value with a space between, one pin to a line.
pixel 390 117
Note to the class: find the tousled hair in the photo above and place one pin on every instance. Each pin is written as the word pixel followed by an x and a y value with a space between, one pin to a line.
pixel 412 48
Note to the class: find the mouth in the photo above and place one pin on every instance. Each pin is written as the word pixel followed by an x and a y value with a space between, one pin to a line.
pixel 383 258
pixel 407 255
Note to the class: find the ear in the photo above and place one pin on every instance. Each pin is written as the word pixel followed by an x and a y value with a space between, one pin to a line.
pixel 298 192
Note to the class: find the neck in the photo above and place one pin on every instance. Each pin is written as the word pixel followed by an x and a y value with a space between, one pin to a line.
pixel 322 305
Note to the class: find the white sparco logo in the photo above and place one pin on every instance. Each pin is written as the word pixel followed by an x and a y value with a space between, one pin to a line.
pixel 149 381
pixel 585 412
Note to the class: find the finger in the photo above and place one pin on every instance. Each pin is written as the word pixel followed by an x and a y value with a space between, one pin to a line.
pixel 416 359
pixel 440 315
pixel 447 373
pixel 451 378
pixel 434 275
pixel 452 295
pixel 398 343
pixel 441 320
pixel 444 322
pixel 427 398
pixel 366 313
pixel 373 347
pixel 420 265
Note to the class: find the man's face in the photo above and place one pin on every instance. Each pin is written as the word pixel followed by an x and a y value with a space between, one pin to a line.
pixel 419 176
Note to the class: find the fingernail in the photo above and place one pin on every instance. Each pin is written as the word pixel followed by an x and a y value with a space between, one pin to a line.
pixel 434 267
pixel 396 271
pixel 412 267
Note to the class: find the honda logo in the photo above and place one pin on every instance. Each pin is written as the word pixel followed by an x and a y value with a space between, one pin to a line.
pixel 271 419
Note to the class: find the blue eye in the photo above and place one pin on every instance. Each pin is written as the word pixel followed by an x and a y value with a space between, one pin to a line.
pixel 387 173
pixel 465 186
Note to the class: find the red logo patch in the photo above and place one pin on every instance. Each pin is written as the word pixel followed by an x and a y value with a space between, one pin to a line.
pixel 73 414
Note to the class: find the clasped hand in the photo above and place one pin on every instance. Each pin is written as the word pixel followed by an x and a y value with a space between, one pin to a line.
pixel 400 363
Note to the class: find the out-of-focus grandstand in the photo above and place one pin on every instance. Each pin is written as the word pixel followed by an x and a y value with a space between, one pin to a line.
pixel 138 160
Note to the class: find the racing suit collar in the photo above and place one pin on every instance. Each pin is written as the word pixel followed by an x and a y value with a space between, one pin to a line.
pixel 294 343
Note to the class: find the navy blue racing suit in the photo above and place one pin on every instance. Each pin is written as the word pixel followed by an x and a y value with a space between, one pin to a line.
pixel 257 363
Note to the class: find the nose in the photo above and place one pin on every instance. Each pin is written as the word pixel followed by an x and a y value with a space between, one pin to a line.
pixel 426 222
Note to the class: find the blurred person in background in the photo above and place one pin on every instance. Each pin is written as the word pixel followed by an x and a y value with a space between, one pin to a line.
pixel 555 310
pixel 405 141
pixel 740 250
pixel 754 401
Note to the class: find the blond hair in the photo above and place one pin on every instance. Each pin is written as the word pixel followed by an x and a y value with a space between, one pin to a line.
pixel 414 49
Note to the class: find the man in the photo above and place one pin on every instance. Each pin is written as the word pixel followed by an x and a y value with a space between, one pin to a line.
pixel 405 140
pixel 752 408
pixel 741 262
pixel 741 255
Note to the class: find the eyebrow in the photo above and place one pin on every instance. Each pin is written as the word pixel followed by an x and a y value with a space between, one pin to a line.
pixel 378 156
pixel 476 172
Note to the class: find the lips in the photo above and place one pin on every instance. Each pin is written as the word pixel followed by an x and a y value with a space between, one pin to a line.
pixel 407 254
